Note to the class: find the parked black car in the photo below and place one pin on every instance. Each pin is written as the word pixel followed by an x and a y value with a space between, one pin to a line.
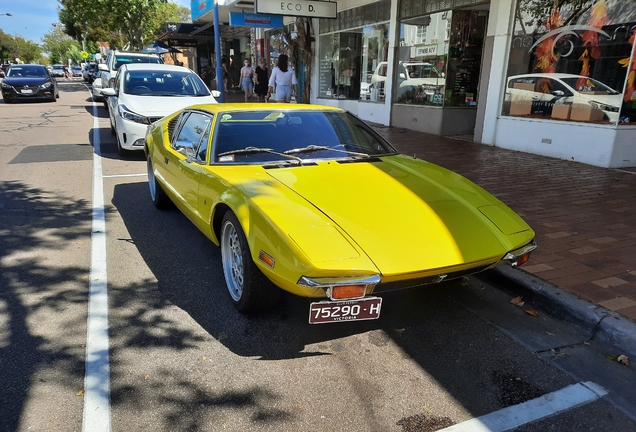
pixel 29 82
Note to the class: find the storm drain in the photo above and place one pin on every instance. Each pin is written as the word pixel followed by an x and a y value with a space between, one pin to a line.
pixel 54 153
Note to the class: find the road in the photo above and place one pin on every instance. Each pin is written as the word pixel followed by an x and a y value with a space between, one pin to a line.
pixel 182 359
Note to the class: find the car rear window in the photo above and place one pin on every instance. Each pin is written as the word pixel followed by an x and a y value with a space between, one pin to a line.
pixel 121 60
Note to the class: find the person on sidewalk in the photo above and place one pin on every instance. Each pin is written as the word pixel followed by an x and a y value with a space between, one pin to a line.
pixel 247 75
pixel 226 74
pixel 261 80
pixel 283 78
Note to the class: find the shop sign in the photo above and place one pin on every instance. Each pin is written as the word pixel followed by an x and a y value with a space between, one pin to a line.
pixel 198 8
pixel 423 51
pixel 255 20
pixel 298 8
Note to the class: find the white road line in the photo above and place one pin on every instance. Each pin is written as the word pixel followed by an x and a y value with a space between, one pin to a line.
pixel 97 378
pixel 125 175
pixel 535 409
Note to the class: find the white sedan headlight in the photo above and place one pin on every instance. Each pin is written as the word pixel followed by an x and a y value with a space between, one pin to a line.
pixel 125 113
pixel 603 106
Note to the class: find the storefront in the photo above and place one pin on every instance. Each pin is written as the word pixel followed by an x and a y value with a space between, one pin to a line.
pixel 511 73
pixel 409 64
pixel 567 86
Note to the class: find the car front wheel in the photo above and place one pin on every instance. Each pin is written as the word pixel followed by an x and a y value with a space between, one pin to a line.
pixel 157 195
pixel 250 290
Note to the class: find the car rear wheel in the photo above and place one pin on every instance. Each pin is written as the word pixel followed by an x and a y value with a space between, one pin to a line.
pixel 157 195
pixel 250 290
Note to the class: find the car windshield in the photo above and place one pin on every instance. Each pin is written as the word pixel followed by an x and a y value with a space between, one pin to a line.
pixel 128 59
pixel 60 67
pixel 589 85
pixel 164 83
pixel 256 137
pixel 27 71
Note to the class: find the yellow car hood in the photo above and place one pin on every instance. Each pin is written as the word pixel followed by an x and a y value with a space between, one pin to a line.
pixel 408 215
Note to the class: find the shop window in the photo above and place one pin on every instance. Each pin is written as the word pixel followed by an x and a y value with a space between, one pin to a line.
pixel 573 63
pixel 340 65
pixel 350 61
pixel 420 73
pixel 439 59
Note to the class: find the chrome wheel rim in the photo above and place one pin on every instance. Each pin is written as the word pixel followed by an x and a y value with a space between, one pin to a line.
pixel 232 257
pixel 152 185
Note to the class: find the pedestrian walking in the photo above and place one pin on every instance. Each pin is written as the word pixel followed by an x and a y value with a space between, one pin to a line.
pixel 262 79
pixel 247 75
pixel 283 79
pixel 226 73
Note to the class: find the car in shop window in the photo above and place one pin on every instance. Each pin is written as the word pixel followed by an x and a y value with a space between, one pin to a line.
pixel 144 93
pixel 539 93
pixel 311 200
pixel 411 76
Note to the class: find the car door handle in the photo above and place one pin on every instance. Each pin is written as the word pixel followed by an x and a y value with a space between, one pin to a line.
pixel 165 160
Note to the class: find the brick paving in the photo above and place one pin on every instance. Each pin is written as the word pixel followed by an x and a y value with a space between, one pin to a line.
pixel 584 216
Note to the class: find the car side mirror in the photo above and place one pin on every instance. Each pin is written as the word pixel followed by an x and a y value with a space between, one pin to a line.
pixel 402 76
pixel 183 146
pixel 443 75
pixel 107 92
pixel 216 93
pixel 558 93
pixel 102 67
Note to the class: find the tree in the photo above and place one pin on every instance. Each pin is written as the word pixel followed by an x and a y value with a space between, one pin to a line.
pixel 123 23
pixel 12 47
pixel 58 44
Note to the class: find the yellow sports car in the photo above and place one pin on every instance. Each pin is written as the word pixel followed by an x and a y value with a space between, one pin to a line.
pixel 310 199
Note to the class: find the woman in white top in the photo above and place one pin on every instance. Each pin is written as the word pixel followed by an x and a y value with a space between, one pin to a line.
pixel 283 78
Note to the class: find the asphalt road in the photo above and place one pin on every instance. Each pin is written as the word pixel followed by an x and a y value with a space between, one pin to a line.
pixel 182 359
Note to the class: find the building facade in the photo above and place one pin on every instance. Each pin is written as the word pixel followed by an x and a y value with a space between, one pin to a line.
pixel 515 74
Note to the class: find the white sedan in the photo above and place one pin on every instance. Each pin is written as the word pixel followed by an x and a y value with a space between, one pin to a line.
pixel 144 93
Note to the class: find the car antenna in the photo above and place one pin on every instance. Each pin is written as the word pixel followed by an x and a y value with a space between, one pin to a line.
pixel 414 156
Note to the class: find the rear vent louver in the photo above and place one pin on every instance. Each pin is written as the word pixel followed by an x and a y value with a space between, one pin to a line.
pixel 172 125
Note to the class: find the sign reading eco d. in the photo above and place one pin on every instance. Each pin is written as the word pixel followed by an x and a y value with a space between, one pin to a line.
pixel 298 8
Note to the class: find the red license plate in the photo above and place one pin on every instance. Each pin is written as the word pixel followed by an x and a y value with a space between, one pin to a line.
pixel 348 310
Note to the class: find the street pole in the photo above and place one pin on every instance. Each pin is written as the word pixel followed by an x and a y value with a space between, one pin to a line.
pixel 217 42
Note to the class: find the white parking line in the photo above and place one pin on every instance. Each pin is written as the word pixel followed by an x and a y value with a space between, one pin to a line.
pixel 97 377
pixel 125 175
pixel 535 409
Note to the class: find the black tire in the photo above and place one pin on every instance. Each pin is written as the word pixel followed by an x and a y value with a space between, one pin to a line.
pixel 157 195
pixel 249 289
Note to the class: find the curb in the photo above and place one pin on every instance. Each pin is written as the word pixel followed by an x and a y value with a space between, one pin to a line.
pixel 603 324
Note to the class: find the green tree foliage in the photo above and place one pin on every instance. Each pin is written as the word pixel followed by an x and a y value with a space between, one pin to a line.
pixel 12 47
pixel 125 24
pixel 61 46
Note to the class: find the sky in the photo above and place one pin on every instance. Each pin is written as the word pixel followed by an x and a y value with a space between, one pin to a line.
pixel 32 19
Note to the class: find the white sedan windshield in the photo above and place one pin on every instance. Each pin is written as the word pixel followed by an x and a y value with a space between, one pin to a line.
pixel 164 83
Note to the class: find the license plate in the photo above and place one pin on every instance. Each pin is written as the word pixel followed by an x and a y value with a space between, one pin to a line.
pixel 348 310
pixel 28 91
